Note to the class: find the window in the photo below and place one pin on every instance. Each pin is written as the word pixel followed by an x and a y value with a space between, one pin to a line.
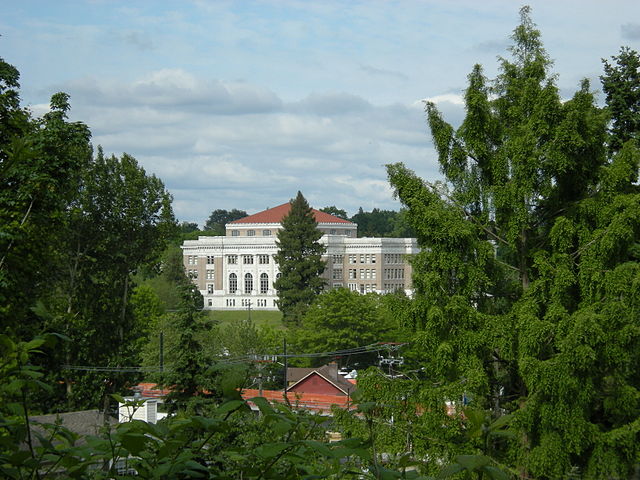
pixel 235 233
pixel 264 283
pixel 352 259
pixel 263 259
pixel 362 258
pixel 210 302
pixel 210 259
pixel 373 259
pixel 231 302
pixel 353 286
pixel 337 259
pixel 337 275
pixel 332 231
pixel 247 259
pixel 251 233
pixel 352 273
pixel 373 274
pixel 362 275
pixel 266 233
pixel 337 285
pixel 233 283
pixel 210 275
pixel 232 259
pixel 210 288
pixel 193 273
pixel 248 282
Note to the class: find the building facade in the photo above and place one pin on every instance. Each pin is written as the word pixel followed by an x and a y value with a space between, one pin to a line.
pixel 238 271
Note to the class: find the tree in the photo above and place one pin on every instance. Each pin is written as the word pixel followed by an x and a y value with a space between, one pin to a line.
pixel 40 165
pixel 529 257
pixel 333 210
pixel 219 218
pixel 190 374
pixel 621 85
pixel 120 220
pixel 341 319
pixel 299 259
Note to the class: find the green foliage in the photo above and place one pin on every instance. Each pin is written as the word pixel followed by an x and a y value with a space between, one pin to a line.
pixel 219 218
pixel 191 373
pixel 381 223
pixel 338 212
pixel 299 260
pixel 621 85
pixel 529 256
pixel 342 319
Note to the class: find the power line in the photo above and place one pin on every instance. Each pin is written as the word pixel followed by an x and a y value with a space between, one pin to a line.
pixel 374 347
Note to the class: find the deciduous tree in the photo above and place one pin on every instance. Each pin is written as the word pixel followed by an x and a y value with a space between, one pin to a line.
pixel 528 263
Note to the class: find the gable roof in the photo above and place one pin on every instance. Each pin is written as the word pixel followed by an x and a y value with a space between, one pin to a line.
pixel 276 214
pixel 328 372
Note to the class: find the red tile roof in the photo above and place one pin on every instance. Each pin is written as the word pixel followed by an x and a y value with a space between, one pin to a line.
pixel 316 402
pixel 276 214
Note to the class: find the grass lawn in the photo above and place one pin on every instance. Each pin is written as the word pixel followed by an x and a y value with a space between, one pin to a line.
pixel 259 317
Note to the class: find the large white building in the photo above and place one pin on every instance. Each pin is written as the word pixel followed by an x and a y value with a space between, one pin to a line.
pixel 238 270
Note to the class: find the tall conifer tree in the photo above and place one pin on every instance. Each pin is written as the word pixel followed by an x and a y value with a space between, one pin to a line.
pixel 299 259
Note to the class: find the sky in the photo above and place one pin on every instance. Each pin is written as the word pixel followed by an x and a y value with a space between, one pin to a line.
pixel 241 104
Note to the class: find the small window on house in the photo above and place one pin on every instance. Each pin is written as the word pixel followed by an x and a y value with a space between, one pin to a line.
pixel 235 233
pixel 232 259
pixel 266 233
pixel 233 283
pixel 251 233
pixel 247 259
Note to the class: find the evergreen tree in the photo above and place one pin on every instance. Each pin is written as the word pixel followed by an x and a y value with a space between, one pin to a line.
pixel 190 376
pixel 299 259
pixel 527 281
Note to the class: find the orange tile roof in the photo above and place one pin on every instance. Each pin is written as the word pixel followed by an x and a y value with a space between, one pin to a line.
pixel 276 214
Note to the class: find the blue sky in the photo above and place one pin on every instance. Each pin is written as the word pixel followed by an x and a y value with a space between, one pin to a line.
pixel 241 104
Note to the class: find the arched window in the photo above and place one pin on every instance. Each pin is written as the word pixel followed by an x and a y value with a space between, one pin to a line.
pixel 264 283
pixel 278 275
pixel 233 283
pixel 248 283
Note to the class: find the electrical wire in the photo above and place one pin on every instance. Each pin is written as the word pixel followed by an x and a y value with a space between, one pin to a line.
pixel 374 347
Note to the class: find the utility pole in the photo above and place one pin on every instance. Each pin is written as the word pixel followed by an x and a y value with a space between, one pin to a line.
pixel 161 352
pixel 286 365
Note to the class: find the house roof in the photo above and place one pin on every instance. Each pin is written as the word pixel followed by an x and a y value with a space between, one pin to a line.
pixel 328 372
pixel 83 423
pixel 316 402
pixel 276 214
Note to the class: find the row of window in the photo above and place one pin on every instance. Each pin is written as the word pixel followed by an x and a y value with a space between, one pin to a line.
pixel 393 258
pixel 365 273
pixel 364 258
pixel 393 273
pixel 251 233
pixel 246 302
pixel 248 259
pixel 248 282
pixel 392 287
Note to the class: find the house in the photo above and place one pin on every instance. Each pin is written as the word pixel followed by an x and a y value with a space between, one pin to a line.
pixel 325 380
pixel 313 389
pixel 238 271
